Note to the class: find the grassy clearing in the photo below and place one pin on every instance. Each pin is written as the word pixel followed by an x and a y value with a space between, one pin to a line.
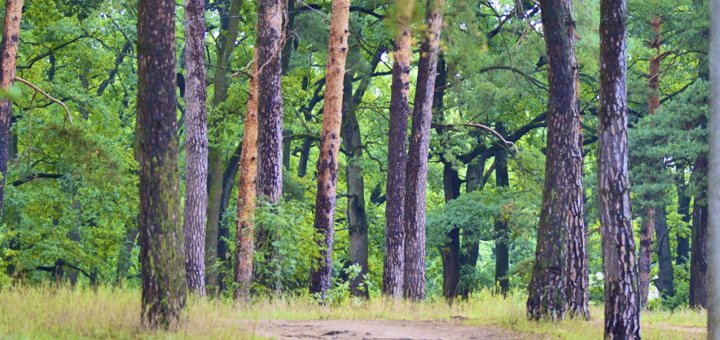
pixel 45 313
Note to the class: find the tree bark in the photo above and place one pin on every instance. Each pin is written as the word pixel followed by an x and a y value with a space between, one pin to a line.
pixel 664 282
pixel 161 238
pixel 556 277
pixel 8 57
pixel 196 146
pixel 270 102
pixel 352 142
pixel 417 161
pixel 394 264
pixel 245 233
pixel 468 259
pixel 450 251
pixel 125 256
pixel 714 176
pixel 226 43
pixel 270 110
pixel 683 242
pixel 502 233
pixel 648 225
pixel 321 276
pixel 698 254
pixel 622 312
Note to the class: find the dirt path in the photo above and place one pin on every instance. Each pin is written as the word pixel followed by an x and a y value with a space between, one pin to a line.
pixel 375 329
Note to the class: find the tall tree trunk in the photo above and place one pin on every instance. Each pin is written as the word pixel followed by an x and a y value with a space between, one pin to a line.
pixel 682 250
pixel 562 205
pixel 714 176
pixel 698 254
pixel 245 235
pixel 648 225
pixel 450 251
pixel 622 312
pixel 502 233
pixel 8 57
pixel 161 238
pixel 664 282
pixel 417 161
pixel 196 146
pixel 270 110
pixel 352 142
pixel 468 259
pixel 394 264
pixel 226 43
pixel 321 276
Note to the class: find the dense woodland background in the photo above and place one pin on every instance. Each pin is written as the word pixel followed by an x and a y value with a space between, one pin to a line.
pixel 71 197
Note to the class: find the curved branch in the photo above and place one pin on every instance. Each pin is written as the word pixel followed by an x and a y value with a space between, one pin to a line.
pixel 68 116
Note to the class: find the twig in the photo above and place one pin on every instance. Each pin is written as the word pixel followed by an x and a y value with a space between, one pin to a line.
pixel 68 116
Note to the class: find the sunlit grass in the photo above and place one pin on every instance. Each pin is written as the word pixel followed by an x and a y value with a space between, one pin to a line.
pixel 45 313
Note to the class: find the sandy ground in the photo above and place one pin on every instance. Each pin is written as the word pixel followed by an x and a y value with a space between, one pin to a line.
pixel 375 329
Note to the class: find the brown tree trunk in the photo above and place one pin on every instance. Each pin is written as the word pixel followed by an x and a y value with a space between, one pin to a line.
pixel 468 259
pixel 321 276
pixel 648 225
pixel 450 251
pixel 245 236
pixel 394 264
pixel 161 239
pixel 554 275
pixel 270 110
pixel 698 252
pixel 622 312
pixel 196 144
pixel 356 218
pixel 502 233
pixel 226 43
pixel 417 161
pixel 352 142
pixel 664 282
pixel 8 57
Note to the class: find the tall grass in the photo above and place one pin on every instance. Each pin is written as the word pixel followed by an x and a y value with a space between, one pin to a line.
pixel 50 313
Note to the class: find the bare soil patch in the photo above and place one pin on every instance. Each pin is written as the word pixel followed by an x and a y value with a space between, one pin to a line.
pixel 375 329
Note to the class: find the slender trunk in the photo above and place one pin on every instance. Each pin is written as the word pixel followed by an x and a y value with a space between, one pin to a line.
pixel 698 254
pixel 471 244
pixel 502 233
pixel 270 110
pixel 714 176
pixel 196 144
pixel 357 220
pixel 417 160
pixel 647 230
pixel 224 258
pixel 683 242
pixel 125 256
pixel 245 236
pixel 226 43
pixel 450 251
pixel 394 264
pixel 648 225
pixel 304 157
pixel 664 282
pixel 161 239
pixel 321 276
pixel 559 258
pixel 622 311
pixel 8 56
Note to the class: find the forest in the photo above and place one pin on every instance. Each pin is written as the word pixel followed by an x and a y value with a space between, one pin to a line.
pixel 225 168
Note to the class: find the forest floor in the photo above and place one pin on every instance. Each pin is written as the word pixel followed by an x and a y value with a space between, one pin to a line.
pixel 51 313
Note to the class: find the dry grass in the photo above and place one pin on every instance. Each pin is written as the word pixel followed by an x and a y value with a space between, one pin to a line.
pixel 48 313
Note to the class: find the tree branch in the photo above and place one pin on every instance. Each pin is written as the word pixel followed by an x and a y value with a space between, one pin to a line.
pixel 37 89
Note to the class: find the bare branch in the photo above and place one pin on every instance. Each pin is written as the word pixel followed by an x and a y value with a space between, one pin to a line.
pixel 68 116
